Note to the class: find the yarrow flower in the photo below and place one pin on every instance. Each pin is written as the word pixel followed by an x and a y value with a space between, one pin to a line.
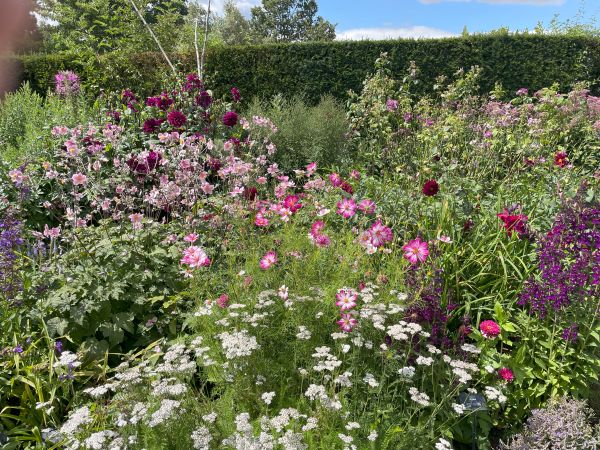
pixel 489 329
pixel 416 251
pixel 268 260
pixel 195 257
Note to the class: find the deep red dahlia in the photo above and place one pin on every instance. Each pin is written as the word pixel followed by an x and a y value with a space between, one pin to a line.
pixel 230 118
pixel 430 188
pixel 176 119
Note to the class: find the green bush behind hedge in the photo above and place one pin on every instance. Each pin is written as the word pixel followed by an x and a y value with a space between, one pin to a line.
pixel 314 69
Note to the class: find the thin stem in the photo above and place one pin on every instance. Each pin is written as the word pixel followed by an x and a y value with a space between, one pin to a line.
pixel 196 47
pixel 153 35
pixel 204 43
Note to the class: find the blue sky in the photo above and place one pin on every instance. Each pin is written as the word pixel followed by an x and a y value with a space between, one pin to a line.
pixel 357 19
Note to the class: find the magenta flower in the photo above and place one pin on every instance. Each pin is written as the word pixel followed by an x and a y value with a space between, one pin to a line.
pixel 430 188
pixel 391 105
pixel 191 238
pixel 335 180
pixel 380 234
pixel 204 100
pixel 416 251
pixel 292 202
pixel 346 299
pixel 489 329
pixel 268 260
pixel 261 221
pixel 151 125
pixel 346 208
pixel 235 94
pixel 367 206
pixel 223 301
pixel 506 374
pixel 230 118
pixel 322 240
pixel 176 119
pixel 347 322
pixel 67 83
pixel 195 257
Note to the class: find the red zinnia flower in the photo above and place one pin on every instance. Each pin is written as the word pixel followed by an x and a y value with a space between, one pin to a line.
pixel 489 329
pixel 430 188
pixel 506 374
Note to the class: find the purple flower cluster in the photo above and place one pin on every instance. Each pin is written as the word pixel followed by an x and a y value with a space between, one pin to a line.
pixel 66 83
pixel 10 241
pixel 569 260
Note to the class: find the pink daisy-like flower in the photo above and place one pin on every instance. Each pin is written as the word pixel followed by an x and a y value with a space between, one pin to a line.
pixel 79 179
pixel 322 240
pixel 292 202
pixel 445 239
pixel 367 206
pixel 268 260
pixel 317 227
pixel 416 251
pixel 380 234
pixel 335 180
pixel 191 238
pixel 136 220
pixel 346 208
pixel 489 329
pixel 261 221
pixel 195 257
pixel 506 374
pixel 347 322
pixel 346 299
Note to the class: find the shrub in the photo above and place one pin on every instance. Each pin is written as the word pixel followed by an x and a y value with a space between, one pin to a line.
pixel 306 133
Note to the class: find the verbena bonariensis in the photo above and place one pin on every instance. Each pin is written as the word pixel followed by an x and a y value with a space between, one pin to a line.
pixel 569 259
pixel 10 240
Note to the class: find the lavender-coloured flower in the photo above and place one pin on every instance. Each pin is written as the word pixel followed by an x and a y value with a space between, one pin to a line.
pixel 66 83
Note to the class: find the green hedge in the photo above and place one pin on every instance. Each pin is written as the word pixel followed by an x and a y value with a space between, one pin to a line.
pixel 313 69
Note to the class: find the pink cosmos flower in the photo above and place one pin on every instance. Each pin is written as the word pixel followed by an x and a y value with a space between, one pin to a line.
pixel 317 227
pixel 355 174
pixel 346 208
pixel 445 239
pixel 261 221
pixel 346 299
pixel 416 251
pixel 489 329
pixel 292 202
pixel 195 257
pixel 310 169
pixel 191 238
pixel 380 234
pixel 367 206
pixel 335 180
pixel 268 260
pixel 347 322
pixel 322 240
pixel 136 220
pixel 79 179
pixel 506 374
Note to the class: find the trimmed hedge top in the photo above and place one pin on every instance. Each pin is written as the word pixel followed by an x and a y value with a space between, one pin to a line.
pixel 313 69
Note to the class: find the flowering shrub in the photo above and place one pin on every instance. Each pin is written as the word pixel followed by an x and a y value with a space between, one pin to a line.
pixel 235 303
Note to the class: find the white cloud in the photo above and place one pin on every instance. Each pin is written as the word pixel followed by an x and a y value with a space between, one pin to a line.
pixel 392 33
pixel 502 2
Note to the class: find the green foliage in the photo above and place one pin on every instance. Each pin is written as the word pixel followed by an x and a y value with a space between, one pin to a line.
pixel 313 69
pixel 306 133
pixel 26 121
pixel 113 289
pixel 290 21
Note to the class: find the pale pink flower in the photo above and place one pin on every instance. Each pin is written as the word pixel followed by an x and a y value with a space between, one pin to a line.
pixel 347 322
pixel 207 188
pixel 355 174
pixel 311 168
pixel 445 239
pixel 79 179
pixel 52 233
pixel 268 260
pixel 346 208
pixel 346 299
pixel 261 180
pixel 416 251
pixel 136 220
pixel 195 257
pixel 17 177
pixel 191 238
pixel 283 292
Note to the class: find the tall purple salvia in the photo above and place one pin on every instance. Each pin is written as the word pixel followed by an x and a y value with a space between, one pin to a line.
pixel 569 260
pixel 10 241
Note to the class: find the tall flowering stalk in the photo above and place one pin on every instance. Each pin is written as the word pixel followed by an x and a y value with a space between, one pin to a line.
pixel 569 260
pixel 10 241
